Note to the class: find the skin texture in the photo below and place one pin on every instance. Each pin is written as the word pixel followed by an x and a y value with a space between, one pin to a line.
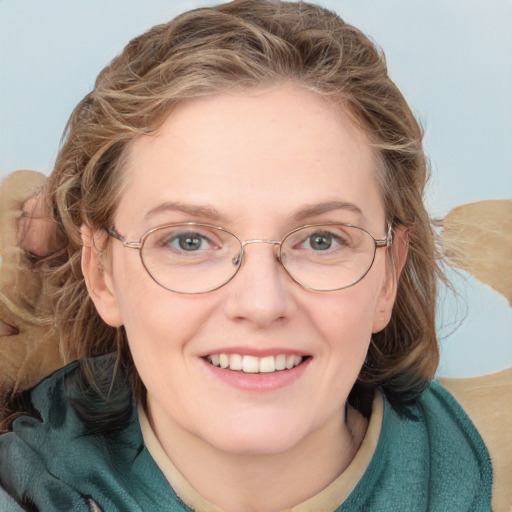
pixel 259 159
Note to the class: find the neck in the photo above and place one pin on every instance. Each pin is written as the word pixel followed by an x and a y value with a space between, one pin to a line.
pixel 263 482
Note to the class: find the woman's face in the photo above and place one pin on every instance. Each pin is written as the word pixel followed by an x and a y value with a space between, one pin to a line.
pixel 259 165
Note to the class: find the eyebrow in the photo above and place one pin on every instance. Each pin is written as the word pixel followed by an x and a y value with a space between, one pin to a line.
pixel 205 211
pixel 328 206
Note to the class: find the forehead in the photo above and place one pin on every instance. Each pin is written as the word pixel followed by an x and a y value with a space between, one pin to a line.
pixel 271 150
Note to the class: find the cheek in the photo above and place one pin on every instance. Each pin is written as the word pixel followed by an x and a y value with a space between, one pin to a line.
pixel 156 320
pixel 344 321
pixel 347 314
pixel 343 324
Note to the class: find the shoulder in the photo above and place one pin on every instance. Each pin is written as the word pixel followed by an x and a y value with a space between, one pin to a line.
pixel 429 456
pixel 39 435
pixel 79 446
pixel 487 401
pixel 448 438
pixel 75 445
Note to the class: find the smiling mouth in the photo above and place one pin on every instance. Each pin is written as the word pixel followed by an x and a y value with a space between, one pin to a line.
pixel 254 364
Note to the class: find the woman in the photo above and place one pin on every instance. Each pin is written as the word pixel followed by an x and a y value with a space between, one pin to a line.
pixel 240 210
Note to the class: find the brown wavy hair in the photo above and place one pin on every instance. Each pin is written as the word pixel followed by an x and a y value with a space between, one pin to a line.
pixel 238 46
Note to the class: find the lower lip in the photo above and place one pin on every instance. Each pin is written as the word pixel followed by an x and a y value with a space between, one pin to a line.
pixel 258 382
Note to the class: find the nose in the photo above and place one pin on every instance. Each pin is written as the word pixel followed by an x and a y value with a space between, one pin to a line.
pixel 261 292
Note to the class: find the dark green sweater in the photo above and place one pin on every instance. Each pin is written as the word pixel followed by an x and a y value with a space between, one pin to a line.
pixel 429 456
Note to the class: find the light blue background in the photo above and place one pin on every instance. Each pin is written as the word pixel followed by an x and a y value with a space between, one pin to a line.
pixel 451 58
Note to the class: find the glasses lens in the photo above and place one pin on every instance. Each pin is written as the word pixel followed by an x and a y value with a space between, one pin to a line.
pixel 328 257
pixel 191 258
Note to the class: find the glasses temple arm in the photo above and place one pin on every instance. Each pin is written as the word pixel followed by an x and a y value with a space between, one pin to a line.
pixel 385 242
pixel 131 245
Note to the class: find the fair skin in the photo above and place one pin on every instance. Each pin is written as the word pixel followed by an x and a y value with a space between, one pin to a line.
pixel 261 160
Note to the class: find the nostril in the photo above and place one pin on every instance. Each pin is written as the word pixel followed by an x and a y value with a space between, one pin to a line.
pixel 8 330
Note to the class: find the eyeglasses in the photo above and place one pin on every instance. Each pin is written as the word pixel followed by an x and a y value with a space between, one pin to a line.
pixel 191 257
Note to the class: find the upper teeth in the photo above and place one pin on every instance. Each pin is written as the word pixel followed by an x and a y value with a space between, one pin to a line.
pixel 253 364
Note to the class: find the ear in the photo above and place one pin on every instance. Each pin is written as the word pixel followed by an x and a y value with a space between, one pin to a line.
pixel 395 262
pixel 98 279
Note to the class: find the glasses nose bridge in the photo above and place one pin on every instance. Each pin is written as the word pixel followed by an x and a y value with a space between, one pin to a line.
pixel 260 241
pixel 275 243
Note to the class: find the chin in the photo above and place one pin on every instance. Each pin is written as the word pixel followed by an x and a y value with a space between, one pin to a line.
pixel 255 438
pixel 251 445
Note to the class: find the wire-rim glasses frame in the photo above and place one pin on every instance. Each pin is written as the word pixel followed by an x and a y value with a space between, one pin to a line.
pixel 238 260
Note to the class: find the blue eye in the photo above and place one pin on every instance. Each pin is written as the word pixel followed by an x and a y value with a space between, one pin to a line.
pixel 324 240
pixel 190 241
pixel 320 241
